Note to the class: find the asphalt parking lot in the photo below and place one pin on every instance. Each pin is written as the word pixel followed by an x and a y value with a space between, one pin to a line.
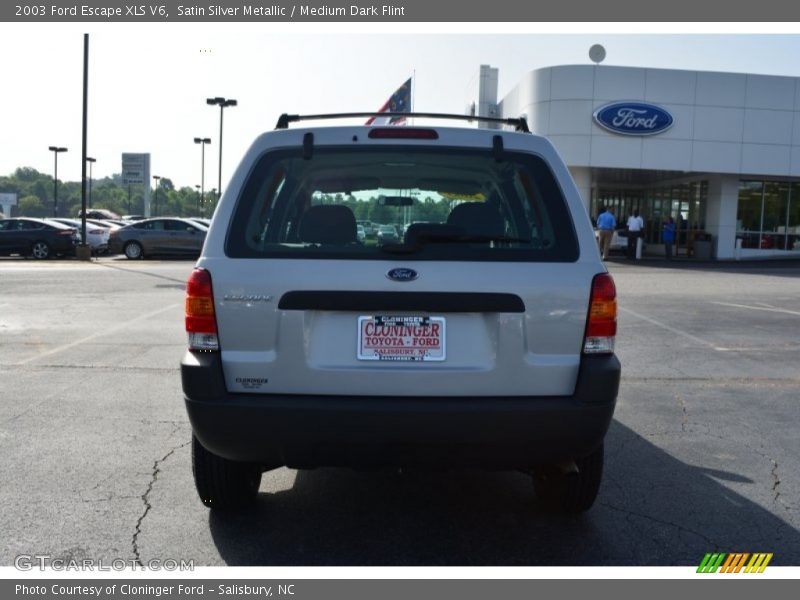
pixel 703 454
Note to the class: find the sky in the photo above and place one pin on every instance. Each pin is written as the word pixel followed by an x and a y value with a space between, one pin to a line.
pixel 148 83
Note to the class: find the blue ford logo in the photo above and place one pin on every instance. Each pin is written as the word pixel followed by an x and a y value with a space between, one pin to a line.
pixel 402 274
pixel 633 118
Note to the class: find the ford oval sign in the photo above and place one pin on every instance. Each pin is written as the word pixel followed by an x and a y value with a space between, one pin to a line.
pixel 402 274
pixel 633 118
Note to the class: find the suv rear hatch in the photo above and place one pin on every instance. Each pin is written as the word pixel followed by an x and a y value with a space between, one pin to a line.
pixel 484 293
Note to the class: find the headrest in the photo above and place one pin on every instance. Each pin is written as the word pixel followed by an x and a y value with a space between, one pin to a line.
pixel 477 219
pixel 328 224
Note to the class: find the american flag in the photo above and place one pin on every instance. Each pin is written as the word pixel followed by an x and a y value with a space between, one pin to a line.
pixel 400 101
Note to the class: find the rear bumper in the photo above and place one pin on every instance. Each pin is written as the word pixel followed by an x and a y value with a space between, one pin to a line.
pixel 310 431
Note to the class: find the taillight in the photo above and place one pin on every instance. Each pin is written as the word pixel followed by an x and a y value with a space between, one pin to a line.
pixel 66 232
pixel 201 323
pixel 601 326
pixel 403 133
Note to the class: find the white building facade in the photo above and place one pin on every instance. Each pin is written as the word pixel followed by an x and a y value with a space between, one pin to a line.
pixel 717 152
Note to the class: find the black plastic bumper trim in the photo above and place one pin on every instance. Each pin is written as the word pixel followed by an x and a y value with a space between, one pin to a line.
pixel 311 431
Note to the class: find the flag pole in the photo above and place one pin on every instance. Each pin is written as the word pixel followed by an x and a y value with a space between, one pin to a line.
pixel 413 90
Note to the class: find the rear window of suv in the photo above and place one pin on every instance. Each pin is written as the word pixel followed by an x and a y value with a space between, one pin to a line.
pixel 442 204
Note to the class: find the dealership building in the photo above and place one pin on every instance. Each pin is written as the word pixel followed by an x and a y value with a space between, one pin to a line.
pixel 717 152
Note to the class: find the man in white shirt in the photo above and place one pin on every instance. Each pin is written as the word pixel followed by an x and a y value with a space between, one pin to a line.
pixel 635 230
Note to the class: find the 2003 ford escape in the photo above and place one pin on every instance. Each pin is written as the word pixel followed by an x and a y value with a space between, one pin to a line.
pixel 482 336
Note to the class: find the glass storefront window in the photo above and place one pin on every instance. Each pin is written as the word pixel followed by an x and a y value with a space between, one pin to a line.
pixel 776 199
pixel 748 213
pixel 793 220
pixel 765 213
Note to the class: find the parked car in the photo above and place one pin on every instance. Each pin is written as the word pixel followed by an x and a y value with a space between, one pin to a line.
pixel 486 340
pixel 36 237
pixel 158 236
pixel 370 228
pixel 200 221
pixel 387 234
pixel 99 213
pixel 361 233
pixel 96 235
pixel 117 222
pixel 111 225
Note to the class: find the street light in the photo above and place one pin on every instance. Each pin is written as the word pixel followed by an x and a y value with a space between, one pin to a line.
pixel 155 200
pixel 202 142
pixel 55 150
pixel 222 103
pixel 91 161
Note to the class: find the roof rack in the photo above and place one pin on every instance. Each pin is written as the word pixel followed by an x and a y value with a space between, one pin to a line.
pixel 520 124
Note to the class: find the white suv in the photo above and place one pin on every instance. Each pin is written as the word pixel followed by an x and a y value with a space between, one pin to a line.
pixel 484 336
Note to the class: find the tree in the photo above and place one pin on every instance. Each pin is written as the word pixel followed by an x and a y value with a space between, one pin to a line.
pixel 27 174
pixel 380 213
pixel 31 206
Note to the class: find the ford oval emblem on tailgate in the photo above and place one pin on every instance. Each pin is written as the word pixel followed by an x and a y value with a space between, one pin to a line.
pixel 402 274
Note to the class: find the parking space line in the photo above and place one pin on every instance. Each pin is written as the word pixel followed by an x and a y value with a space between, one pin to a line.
pixel 671 329
pixel 765 307
pixel 105 332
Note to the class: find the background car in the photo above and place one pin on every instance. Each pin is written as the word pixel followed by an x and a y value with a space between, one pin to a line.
pixel 111 225
pixel 36 237
pixel 370 228
pixel 159 236
pixel 387 234
pixel 99 213
pixel 200 221
pixel 361 233
pixel 96 235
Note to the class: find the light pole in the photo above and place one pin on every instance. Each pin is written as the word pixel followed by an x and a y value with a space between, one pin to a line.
pixel 197 187
pixel 91 161
pixel 55 150
pixel 155 199
pixel 202 142
pixel 222 103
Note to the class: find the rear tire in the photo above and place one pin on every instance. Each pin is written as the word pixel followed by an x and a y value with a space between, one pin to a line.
pixel 223 484
pixel 133 250
pixel 40 250
pixel 571 493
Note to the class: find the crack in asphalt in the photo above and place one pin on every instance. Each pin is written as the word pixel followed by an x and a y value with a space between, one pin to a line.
pixel 685 415
pixel 145 499
pixel 777 499
pixel 776 480
pixel 632 513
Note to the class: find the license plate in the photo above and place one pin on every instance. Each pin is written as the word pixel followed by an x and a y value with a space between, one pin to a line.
pixel 401 338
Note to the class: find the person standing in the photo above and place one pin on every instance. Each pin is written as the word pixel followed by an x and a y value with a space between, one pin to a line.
pixel 606 224
pixel 635 229
pixel 668 235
